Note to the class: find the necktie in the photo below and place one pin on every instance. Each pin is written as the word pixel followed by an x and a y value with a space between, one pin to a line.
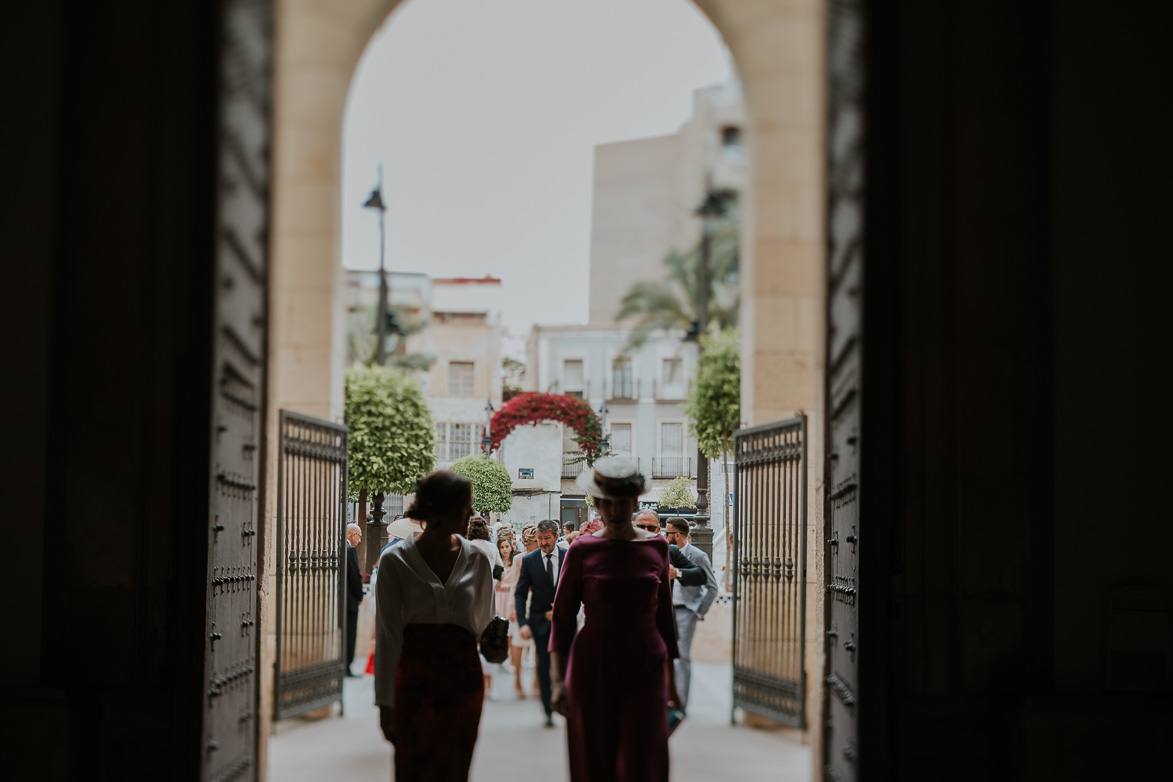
pixel 550 569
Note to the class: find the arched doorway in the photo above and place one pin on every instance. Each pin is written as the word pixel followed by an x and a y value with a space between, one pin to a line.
pixel 779 57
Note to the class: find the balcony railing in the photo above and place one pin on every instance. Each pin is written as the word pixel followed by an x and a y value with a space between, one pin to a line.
pixel 657 467
pixel 671 392
pixel 673 467
pixel 582 391
pixel 637 463
pixel 623 389
pixel 573 469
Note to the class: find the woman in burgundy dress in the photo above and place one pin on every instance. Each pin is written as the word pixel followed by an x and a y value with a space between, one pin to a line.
pixel 613 678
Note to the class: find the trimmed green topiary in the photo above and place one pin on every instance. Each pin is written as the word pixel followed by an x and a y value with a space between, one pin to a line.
pixel 391 431
pixel 492 490
pixel 676 495
pixel 714 404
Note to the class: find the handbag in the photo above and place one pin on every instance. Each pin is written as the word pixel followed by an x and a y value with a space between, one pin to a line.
pixel 495 640
pixel 498 571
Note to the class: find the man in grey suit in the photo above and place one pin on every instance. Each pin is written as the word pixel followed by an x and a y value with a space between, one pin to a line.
pixel 690 603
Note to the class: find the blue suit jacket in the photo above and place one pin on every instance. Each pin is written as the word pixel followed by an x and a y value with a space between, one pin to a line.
pixel 532 578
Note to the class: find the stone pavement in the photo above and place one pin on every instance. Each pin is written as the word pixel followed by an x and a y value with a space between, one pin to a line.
pixel 514 747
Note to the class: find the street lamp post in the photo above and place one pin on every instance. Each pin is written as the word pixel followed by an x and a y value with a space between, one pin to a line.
pixel 376 527
pixel 375 201
pixel 710 211
pixel 604 444
pixel 487 440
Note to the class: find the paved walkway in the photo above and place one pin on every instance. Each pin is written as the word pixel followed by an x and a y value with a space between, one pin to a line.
pixel 513 746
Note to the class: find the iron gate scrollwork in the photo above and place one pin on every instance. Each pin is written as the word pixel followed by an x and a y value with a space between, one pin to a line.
pixel 311 565
pixel 239 325
pixel 769 556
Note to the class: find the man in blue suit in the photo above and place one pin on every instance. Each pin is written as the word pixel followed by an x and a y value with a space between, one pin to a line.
pixel 690 603
pixel 539 575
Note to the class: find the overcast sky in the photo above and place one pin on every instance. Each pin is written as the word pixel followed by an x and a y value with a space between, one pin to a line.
pixel 485 114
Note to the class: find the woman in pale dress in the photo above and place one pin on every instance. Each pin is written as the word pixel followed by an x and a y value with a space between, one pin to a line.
pixel 478 535
pixel 435 597
pixel 507 548
pixel 518 645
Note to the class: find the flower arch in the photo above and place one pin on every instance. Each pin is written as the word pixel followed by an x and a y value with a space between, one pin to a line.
pixel 533 408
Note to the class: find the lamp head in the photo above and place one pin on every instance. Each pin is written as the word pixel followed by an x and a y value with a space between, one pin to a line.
pixel 712 208
pixel 375 200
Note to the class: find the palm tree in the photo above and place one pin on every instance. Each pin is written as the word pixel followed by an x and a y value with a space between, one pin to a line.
pixel 361 340
pixel 670 303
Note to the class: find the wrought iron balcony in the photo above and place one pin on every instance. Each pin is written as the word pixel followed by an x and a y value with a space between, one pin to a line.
pixel 671 392
pixel 573 469
pixel 581 391
pixel 673 467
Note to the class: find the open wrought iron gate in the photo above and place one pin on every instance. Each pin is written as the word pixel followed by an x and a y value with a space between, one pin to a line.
pixel 769 555
pixel 311 565
pixel 238 393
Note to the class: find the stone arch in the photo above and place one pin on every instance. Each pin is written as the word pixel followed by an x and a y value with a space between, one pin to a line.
pixel 778 52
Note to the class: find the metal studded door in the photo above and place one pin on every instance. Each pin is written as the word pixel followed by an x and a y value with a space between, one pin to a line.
pixel 239 339
pixel 845 233
pixel 769 588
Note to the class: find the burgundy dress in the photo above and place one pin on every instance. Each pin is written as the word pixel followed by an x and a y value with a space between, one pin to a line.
pixel 617 677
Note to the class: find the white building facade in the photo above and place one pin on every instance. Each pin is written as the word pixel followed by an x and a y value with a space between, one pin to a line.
pixel 642 397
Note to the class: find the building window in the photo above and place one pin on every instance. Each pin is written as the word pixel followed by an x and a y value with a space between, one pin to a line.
pixel 673 371
pixel 460 441
pixel 671 379
pixel 460 378
pixel 572 458
pixel 622 381
pixel 671 463
pixel 442 442
pixel 569 440
pixel 621 440
pixel 672 439
pixel 573 381
pixel 731 137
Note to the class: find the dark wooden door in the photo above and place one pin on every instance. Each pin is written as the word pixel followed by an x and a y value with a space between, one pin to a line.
pixel 845 266
pixel 238 391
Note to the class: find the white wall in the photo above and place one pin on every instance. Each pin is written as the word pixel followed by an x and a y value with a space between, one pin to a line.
pixel 537 447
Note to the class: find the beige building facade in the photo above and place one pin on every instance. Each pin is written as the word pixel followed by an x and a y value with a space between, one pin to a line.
pixel 646 192
pixel 454 326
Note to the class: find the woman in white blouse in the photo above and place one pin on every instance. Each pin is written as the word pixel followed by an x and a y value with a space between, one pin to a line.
pixel 435 597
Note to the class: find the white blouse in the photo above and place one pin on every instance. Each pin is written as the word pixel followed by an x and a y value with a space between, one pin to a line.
pixel 490 551
pixel 408 592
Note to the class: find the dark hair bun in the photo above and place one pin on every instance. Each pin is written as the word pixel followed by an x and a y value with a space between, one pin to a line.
pixel 478 529
pixel 438 495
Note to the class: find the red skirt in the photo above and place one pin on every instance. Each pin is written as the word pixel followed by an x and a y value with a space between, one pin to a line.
pixel 439 691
